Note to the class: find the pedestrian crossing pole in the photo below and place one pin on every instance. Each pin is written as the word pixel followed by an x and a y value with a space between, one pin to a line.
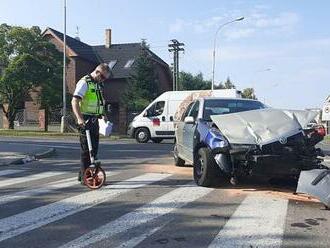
pixel 175 47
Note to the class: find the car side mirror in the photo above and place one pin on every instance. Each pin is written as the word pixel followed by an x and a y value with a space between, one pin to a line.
pixel 189 120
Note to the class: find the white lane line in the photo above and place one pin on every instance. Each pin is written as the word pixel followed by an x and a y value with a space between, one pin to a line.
pixel 257 222
pixel 24 179
pixel 64 183
pixel 35 218
pixel 111 150
pixel 8 172
pixel 137 240
pixel 150 211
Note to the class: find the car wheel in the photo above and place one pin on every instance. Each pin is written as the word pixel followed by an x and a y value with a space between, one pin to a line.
pixel 142 135
pixel 205 169
pixel 157 140
pixel 177 160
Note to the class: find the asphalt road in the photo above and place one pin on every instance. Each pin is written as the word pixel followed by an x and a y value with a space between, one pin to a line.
pixel 147 202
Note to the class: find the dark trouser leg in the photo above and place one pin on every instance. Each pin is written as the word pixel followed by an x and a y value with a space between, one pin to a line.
pixel 93 126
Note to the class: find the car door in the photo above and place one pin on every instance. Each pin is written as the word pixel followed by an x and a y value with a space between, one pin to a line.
pixel 179 125
pixel 189 132
pixel 156 115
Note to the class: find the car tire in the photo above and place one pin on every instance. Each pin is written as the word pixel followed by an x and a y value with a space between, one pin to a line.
pixel 206 171
pixel 142 135
pixel 157 140
pixel 177 160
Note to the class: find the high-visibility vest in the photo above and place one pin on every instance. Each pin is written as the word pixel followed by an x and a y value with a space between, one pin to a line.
pixel 92 102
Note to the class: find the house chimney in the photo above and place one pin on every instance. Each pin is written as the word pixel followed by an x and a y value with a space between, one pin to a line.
pixel 108 38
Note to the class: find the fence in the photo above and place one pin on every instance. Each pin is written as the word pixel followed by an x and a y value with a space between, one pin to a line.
pixel 29 120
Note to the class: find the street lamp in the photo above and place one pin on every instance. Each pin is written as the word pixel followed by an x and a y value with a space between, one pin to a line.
pixel 63 120
pixel 215 40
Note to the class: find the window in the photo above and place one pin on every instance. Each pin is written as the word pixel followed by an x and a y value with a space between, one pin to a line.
pixel 222 106
pixel 129 63
pixel 187 111
pixel 112 63
pixel 156 109
pixel 194 110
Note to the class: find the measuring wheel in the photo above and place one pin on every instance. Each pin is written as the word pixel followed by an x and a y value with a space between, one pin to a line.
pixel 94 177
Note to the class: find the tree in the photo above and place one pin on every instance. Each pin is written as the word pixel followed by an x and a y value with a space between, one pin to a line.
pixel 28 62
pixel 143 83
pixel 248 93
pixel 188 81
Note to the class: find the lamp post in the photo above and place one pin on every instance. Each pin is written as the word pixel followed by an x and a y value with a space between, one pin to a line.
pixel 215 40
pixel 63 120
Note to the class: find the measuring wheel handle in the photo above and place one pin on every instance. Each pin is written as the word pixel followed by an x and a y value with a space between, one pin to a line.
pixel 94 177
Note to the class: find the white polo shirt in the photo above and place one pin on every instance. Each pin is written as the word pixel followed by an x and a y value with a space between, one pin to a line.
pixel 81 88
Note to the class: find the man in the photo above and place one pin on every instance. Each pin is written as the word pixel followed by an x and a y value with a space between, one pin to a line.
pixel 88 105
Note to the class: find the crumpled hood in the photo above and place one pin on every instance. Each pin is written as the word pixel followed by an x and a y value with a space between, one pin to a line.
pixel 262 126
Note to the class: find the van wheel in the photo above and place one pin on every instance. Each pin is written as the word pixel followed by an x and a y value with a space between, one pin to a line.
pixel 142 135
pixel 177 160
pixel 156 140
pixel 206 172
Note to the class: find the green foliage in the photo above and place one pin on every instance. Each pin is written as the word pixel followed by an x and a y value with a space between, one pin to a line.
pixel 28 62
pixel 188 81
pixel 142 84
pixel 249 93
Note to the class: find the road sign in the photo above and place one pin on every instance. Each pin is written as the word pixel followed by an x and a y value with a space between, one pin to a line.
pixel 326 112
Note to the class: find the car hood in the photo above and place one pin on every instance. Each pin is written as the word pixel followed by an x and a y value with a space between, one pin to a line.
pixel 262 126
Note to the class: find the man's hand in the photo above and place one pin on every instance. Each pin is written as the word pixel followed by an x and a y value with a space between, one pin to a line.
pixel 81 122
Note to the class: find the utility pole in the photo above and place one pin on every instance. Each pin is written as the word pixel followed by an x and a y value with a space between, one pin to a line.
pixel 175 47
pixel 63 119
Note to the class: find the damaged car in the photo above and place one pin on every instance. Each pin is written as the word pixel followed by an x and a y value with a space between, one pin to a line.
pixel 228 139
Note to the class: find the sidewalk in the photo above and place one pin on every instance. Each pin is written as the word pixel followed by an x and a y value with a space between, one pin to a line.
pixel 9 158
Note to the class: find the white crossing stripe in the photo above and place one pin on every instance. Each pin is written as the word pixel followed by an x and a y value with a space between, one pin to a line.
pixel 257 222
pixel 159 207
pixel 8 172
pixel 65 183
pixel 24 179
pixel 137 240
pixel 35 218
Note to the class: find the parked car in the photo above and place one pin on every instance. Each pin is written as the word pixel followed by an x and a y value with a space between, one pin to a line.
pixel 155 122
pixel 234 138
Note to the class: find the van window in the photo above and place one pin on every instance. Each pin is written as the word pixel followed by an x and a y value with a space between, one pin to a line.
pixel 156 109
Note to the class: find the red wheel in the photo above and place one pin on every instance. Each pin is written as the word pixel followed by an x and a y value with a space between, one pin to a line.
pixel 94 178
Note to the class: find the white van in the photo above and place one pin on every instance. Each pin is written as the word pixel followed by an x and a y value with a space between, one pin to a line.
pixel 156 122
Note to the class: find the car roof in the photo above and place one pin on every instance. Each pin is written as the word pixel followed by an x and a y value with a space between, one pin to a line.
pixel 228 98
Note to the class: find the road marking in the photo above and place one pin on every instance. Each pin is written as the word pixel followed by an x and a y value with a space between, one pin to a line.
pixel 137 240
pixel 35 218
pixel 150 211
pixel 23 179
pixel 65 183
pixel 257 222
pixel 111 150
pixel 8 172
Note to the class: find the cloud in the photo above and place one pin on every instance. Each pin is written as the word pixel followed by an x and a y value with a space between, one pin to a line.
pixel 257 21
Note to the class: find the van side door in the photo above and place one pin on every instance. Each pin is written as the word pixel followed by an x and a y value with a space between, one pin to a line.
pixel 156 114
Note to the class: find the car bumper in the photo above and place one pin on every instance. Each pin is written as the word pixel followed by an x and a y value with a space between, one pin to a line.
pixel 130 131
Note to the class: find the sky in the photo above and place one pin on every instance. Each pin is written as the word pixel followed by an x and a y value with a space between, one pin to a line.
pixel 281 48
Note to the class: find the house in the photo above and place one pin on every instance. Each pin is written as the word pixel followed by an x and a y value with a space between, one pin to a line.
pixel 83 58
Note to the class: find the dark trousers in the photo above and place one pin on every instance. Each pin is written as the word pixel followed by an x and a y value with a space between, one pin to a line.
pixel 93 126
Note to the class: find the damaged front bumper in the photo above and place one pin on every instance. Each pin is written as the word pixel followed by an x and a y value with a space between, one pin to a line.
pixel 316 183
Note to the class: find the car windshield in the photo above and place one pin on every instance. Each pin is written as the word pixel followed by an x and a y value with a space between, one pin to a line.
pixel 224 106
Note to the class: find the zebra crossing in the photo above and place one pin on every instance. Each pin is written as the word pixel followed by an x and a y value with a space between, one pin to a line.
pixel 133 211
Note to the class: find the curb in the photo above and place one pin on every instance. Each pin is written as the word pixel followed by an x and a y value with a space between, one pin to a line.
pixel 31 157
